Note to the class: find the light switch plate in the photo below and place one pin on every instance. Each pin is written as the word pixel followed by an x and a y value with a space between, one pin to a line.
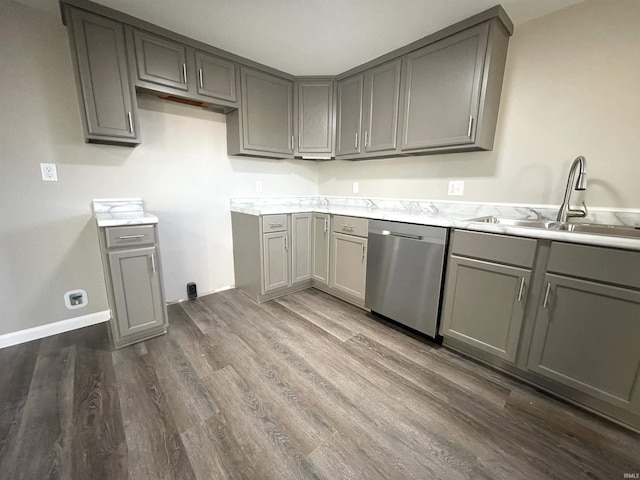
pixel 456 187
pixel 49 172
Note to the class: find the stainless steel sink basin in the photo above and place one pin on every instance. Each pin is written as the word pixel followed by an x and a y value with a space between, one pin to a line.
pixel 615 230
pixel 591 228
pixel 512 222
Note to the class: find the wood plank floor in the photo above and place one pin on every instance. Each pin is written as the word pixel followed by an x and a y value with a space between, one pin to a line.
pixel 305 386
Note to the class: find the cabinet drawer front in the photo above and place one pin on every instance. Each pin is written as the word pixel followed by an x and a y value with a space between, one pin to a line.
pixel 351 225
pixel 274 223
pixel 128 236
pixel 596 263
pixel 496 248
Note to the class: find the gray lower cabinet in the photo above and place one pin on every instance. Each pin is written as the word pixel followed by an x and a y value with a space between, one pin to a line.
pixel 106 95
pixel 315 114
pixel 271 253
pixel 348 271
pixel 484 305
pixel 134 283
pixel 320 248
pixel 452 91
pixel 263 125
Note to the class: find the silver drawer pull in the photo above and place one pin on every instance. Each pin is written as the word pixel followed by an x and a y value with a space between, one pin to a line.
pixel 347 227
pixel 130 237
pixel 275 225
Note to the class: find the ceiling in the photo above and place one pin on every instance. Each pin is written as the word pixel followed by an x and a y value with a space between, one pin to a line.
pixel 313 37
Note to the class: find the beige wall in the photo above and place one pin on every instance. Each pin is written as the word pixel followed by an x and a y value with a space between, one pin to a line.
pixel 48 238
pixel 571 88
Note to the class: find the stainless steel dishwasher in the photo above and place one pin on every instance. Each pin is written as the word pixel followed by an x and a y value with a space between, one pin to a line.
pixel 404 273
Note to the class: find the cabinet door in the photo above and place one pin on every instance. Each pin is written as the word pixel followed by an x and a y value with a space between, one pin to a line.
pixel 484 305
pixel 160 61
pixel 216 77
pixel 349 115
pixel 320 248
pixel 349 264
pixel 314 101
pixel 382 94
pixel 300 247
pixel 586 336
pixel 442 90
pixel 267 105
pixel 137 290
pixel 107 97
pixel 275 261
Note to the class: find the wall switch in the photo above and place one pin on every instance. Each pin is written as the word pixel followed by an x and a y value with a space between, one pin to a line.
pixel 49 172
pixel 258 186
pixel 356 187
pixel 456 187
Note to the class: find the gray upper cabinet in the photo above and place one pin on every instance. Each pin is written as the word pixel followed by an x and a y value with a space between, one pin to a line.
pixel 263 126
pixel 106 95
pixel 484 305
pixel 320 248
pixel 349 115
pixel 586 336
pixel 382 95
pixel 216 76
pixel 160 61
pixel 314 108
pixel 442 90
pixel 300 247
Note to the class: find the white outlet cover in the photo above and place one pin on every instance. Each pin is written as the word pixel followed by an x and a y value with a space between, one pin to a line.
pixel 456 187
pixel 258 186
pixel 356 187
pixel 73 296
pixel 49 172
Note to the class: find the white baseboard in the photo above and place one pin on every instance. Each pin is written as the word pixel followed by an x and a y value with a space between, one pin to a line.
pixel 23 336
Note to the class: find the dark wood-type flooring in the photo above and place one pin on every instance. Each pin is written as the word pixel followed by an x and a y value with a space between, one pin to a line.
pixel 305 386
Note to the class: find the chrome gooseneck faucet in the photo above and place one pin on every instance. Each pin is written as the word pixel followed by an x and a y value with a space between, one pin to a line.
pixel 566 211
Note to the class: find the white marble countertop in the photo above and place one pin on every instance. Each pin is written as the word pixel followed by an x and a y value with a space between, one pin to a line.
pixel 449 214
pixel 116 212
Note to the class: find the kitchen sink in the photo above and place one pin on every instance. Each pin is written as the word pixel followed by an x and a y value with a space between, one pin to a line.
pixel 591 228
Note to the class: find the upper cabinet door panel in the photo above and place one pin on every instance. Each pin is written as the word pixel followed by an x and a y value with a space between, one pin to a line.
pixel 442 90
pixel 315 116
pixel 382 87
pixel 106 91
pixel 349 115
pixel 216 77
pixel 267 105
pixel 160 61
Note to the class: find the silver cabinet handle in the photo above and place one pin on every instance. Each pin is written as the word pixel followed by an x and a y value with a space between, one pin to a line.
pixel 130 118
pixel 363 251
pixel 200 78
pixel 299 140
pixel 184 72
pixel 293 142
pixel 356 144
pixel 326 225
pixel 347 227
pixel 546 296
pixel 366 138
pixel 521 289
pixel 286 243
pixel 153 262
pixel 470 126
pixel 275 225
pixel 130 237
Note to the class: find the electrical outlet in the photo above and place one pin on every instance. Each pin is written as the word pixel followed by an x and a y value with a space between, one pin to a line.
pixel 258 186
pixel 356 187
pixel 456 187
pixel 49 172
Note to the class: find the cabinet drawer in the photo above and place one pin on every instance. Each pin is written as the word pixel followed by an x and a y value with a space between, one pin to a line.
pixel 274 223
pixel 596 263
pixel 127 236
pixel 497 248
pixel 351 225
